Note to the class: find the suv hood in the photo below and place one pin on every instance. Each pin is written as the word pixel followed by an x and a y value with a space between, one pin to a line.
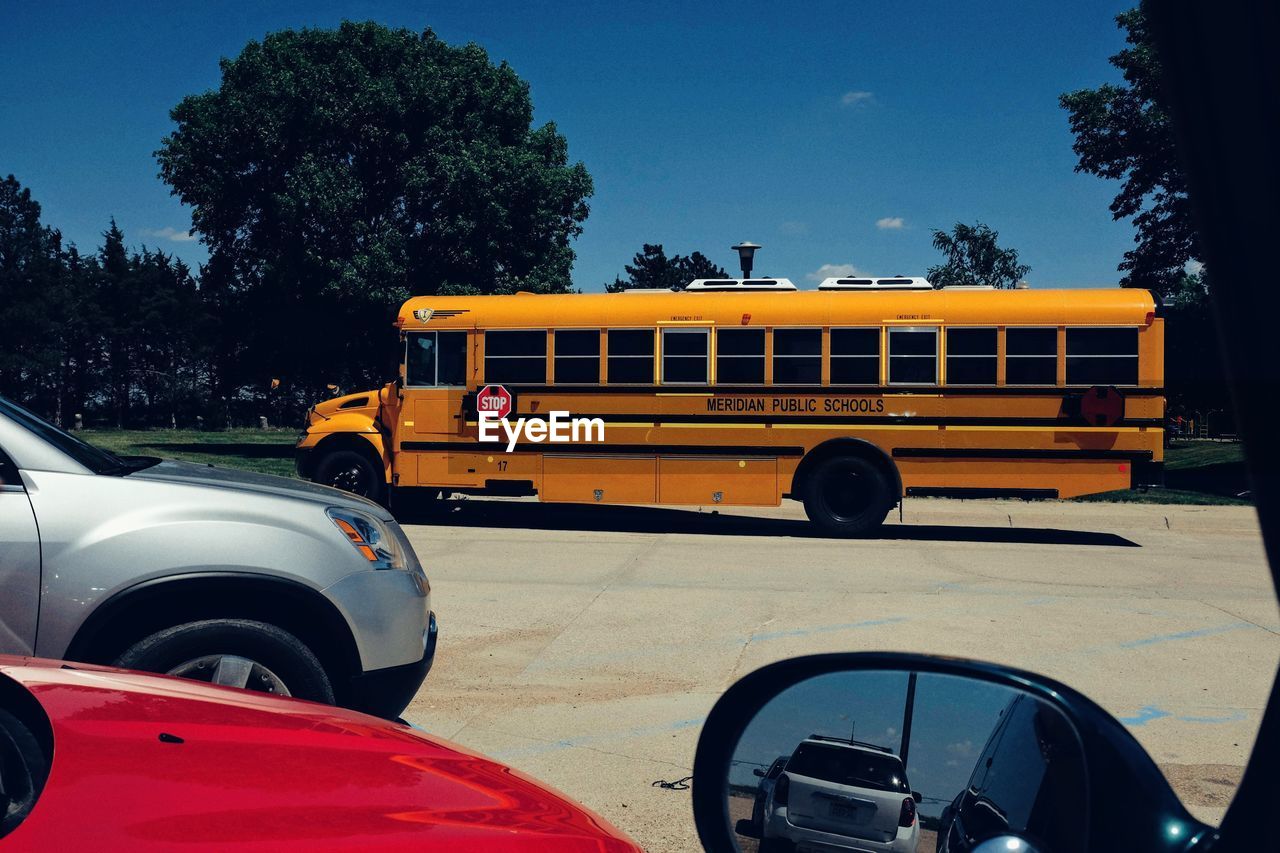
pixel 238 769
pixel 189 473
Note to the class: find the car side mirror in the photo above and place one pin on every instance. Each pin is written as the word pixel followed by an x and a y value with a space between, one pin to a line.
pixel 914 752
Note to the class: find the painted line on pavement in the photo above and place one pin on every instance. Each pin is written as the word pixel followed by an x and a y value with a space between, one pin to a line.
pixel 1187 635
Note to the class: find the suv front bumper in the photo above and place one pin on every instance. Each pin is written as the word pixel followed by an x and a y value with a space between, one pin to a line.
pixel 387 692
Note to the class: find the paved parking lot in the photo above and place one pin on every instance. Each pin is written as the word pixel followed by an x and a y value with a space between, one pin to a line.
pixel 585 645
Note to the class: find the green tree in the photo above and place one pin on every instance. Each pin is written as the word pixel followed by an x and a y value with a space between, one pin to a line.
pixel 1123 132
pixel 974 257
pixel 333 173
pixel 118 296
pixel 167 362
pixel 30 258
pixel 651 268
pixel 79 335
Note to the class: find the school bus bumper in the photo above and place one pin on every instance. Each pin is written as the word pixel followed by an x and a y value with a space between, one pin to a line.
pixel 1147 473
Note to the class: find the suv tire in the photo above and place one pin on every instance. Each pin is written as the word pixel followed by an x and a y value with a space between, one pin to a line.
pixel 195 650
pixel 848 496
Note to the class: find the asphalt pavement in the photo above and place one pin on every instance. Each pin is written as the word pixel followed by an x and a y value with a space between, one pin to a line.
pixel 585 645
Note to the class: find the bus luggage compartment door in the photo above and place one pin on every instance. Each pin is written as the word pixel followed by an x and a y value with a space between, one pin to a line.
pixel 600 479
pixel 704 481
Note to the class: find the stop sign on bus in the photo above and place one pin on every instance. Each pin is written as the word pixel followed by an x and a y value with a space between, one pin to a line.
pixel 493 401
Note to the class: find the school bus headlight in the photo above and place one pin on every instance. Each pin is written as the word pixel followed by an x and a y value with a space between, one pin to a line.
pixel 370 537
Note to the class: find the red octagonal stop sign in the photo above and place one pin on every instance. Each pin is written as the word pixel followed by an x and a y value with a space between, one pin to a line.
pixel 1102 406
pixel 494 401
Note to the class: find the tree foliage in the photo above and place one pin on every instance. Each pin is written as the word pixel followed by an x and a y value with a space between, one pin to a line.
pixel 651 268
pixel 334 173
pixel 1123 132
pixel 118 335
pixel 974 257
pixel 29 284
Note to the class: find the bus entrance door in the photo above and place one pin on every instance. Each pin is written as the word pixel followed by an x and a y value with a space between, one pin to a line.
pixel 432 411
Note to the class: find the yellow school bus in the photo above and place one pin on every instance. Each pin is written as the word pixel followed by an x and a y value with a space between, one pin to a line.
pixel 740 393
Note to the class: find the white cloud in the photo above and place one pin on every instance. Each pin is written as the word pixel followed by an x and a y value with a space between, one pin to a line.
pixel 891 223
pixel 856 98
pixel 173 235
pixel 962 748
pixel 833 271
pixel 1194 267
pixel 794 228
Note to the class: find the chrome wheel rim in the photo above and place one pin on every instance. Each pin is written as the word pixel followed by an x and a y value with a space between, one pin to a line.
pixel 351 480
pixel 231 671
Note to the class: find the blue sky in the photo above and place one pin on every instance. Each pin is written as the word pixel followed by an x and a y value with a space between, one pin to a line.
pixel 836 134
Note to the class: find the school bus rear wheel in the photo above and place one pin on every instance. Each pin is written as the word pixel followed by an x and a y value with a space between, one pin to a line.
pixel 848 496
pixel 352 472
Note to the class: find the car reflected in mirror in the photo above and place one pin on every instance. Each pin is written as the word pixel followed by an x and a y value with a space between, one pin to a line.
pixel 888 753
pixel 984 761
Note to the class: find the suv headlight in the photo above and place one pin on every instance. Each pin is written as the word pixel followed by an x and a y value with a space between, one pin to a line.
pixel 370 537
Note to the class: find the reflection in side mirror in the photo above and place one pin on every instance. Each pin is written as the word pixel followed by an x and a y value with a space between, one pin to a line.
pixel 905 753
pixel 907 762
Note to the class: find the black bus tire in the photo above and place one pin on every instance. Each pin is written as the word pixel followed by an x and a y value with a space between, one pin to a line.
pixel 848 496
pixel 353 472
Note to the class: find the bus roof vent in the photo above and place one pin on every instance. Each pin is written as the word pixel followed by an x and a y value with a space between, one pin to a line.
pixel 899 282
pixel 709 284
pixel 970 287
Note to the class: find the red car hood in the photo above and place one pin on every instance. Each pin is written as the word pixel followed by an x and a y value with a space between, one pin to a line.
pixel 262 773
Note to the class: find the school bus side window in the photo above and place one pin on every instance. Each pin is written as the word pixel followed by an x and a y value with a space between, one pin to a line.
pixel 435 359
pixel 797 356
pixel 1031 356
pixel 577 360
pixel 684 356
pixel 740 356
pixel 1102 356
pixel 855 356
pixel 630 360
pixel 515 357
pixel 971 356
pixel 913 355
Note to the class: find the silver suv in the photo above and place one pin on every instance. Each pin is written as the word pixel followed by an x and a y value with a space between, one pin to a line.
pixel 240 579
pixel 839 794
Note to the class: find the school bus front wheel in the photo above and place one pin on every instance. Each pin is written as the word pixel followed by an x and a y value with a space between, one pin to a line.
pixel 353 472
pixel 848 496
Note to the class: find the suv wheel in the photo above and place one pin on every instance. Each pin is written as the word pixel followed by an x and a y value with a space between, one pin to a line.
pixel 352 472
pixel 233 653
pixel 848 496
